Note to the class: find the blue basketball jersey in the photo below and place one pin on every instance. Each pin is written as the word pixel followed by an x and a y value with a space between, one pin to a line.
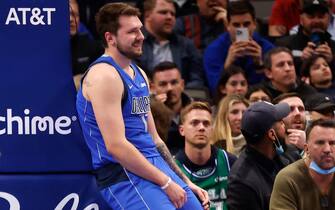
pixel 135 114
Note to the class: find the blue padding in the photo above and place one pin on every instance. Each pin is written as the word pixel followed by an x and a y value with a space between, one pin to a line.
pixel 39 129
pixel 46 192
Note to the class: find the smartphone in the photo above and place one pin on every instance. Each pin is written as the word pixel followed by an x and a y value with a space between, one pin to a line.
pixel 242 34
pixel 317 38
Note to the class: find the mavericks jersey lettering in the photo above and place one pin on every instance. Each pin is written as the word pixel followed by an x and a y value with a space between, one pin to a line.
pixel 213 178
pixel 135 108
pixel 140 105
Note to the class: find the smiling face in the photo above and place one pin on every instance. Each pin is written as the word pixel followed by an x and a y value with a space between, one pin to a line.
pixel 197 128
pixel 129 38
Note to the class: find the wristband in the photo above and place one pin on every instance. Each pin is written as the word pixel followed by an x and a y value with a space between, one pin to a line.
pixel 167 184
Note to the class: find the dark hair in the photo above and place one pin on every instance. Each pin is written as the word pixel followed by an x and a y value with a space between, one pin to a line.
pixel 239 8
pixel 107 18
pixel 322 123
pixel 225 75
pixel 194 105
pixel 307 64
pixel 163 66
pixel 274 51
pixel 255 88
pixel 284 96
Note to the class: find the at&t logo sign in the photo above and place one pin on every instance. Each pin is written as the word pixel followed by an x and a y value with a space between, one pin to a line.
pixel 30 16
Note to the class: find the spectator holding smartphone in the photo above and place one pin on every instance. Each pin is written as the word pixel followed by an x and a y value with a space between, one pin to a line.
pixel 240 46
pixel 312 37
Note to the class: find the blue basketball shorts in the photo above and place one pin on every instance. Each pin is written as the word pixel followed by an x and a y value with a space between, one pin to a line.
pixel 137 193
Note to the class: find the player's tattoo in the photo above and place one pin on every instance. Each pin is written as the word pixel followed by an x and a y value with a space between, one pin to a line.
pixel 164 151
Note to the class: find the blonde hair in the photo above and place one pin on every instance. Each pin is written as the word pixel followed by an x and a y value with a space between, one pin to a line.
pixel 221 127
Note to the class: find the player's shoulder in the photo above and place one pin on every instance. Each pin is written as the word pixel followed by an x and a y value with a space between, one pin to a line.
pixel 143 73
pixel 102 72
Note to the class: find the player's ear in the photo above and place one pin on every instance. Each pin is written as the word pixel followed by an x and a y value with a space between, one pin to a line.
pixel 110 39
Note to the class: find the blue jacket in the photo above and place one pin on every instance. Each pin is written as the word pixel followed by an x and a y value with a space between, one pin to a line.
pixel 216 53
pixel 186 56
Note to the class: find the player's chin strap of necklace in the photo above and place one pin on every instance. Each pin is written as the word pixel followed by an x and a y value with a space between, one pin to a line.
pixel 167 184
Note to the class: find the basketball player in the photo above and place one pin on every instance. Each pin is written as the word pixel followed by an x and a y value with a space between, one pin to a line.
pixel 133 166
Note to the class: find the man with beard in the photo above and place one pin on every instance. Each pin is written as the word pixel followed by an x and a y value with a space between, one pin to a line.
pixel 253 173
pixel 295 124
pixel 131 161
pixel 309 183
pixel 167 87
pixel 205 165
pixel 312 37
pixel 161 43
pixel 281 74
pixel 205 26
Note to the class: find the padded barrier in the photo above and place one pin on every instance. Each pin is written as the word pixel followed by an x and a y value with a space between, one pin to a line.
pixel 50 192
pixel 44 160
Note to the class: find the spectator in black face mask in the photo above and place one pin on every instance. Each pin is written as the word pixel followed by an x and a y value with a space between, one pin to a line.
pixel 167 86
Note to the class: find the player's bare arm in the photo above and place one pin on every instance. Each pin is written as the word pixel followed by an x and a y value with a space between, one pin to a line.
pixel 165 153
pixel 103 88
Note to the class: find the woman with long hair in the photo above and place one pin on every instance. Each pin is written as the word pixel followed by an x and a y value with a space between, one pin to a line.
pixel 227 124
